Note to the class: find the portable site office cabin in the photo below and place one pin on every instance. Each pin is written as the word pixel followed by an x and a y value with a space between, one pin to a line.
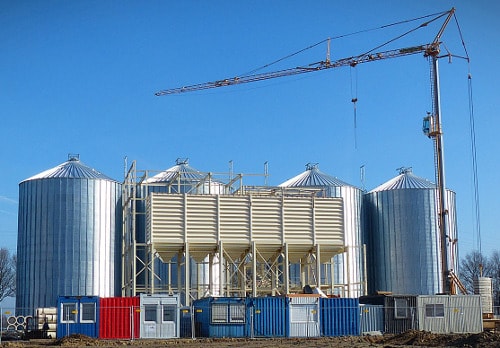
pixel 78 315
pixel 433 313
pixel 159 315
pixel 218 317
pixel 450 314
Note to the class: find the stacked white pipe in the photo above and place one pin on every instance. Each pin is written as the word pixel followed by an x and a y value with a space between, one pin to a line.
pixel 484 286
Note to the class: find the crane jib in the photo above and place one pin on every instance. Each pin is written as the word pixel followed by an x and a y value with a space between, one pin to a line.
pixel 350 61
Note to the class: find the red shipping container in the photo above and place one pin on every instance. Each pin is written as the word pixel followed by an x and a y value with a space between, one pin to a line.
pixel 115 317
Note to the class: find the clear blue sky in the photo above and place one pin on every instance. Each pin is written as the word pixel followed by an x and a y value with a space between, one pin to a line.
pixel 80 77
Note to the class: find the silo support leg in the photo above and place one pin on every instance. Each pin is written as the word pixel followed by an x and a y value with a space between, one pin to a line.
pixel 318 266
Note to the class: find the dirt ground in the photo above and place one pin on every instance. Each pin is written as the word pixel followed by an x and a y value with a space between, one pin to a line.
pixel 407 339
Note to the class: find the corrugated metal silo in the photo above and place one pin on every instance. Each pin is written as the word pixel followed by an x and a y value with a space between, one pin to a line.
pixel 69 235
pixel 349 267
pixel 402 235
pixel 181 178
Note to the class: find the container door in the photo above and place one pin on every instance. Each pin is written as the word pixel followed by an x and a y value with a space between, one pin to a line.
pixel 303 317
pixel 150 322
pixel 169 321
pixel 68 319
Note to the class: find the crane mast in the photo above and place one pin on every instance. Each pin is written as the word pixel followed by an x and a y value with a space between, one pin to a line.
pixel 432 123
pixel 437 134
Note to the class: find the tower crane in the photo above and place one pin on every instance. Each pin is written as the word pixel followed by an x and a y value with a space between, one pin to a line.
pixel 431 127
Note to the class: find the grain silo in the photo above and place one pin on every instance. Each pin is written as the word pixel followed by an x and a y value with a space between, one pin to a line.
pixel 402 235
pixel 163 274
pixel 69 235
pixel 349 272
pixel 182 178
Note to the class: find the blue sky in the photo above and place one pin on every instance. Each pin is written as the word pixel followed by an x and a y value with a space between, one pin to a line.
pixel 80 77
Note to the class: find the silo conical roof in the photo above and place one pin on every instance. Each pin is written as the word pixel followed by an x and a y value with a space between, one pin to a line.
pixel 71 169
pixel 405 180
pixel 181 171
pixel 311 177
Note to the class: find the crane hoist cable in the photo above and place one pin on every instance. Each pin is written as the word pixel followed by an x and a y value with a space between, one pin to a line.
pixel 354 100
pixel 436 15
pixel 473 143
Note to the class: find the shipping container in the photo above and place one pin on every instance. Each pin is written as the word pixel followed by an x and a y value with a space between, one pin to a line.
pixel 266 317
pixel 119 318
pixel 78 315
pixel 450 314
pixel 186 322
pixel 302 316
pixel 159 316
pixel 400 313
pixel 217 317
pixel 339 316
pixel 371 319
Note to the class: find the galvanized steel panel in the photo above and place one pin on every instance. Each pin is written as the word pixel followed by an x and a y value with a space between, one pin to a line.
pixel 303 316
pixel 371 318
pixel 450 314
pixel 403 236
pixel 69 234
pixel 400 313
pixel 159 316
pixel 465 314
pixel 405 180
pixel 403 248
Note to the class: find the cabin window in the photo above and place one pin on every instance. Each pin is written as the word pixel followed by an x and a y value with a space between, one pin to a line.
pixel 434 310
pixel 87 312
pixel 401 308
pixel 219 312
pixel 237 312
pixel 68 313
pixel 150 313
pixel 228 313
pixel 169 313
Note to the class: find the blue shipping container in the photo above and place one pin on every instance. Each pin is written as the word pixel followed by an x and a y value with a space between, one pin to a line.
pixel 218 317
pixel 78 315
pixel 266 317
pixel 339 316
pixel 185 322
